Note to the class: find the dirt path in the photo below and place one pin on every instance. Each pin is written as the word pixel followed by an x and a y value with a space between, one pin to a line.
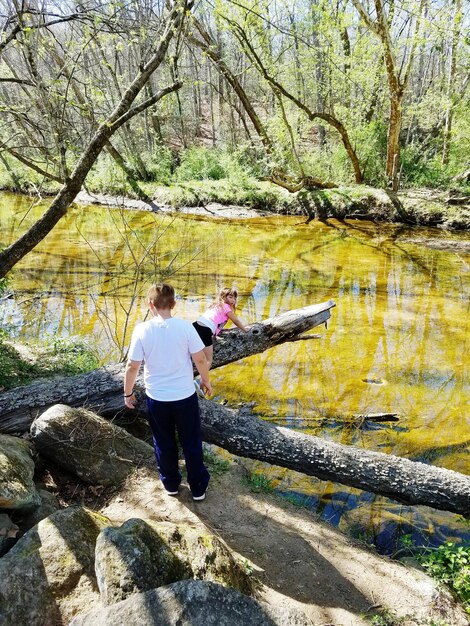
pixel 299 561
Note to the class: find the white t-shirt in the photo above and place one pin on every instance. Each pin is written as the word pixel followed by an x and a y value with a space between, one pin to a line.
pixel 166 346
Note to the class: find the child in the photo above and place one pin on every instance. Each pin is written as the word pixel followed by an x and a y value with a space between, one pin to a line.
pixel 211 322
pixel 168 346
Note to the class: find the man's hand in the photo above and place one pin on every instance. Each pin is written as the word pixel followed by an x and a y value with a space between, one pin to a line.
pixel 130 402
pixel 130 374
pixel 200 362
pixel 206 386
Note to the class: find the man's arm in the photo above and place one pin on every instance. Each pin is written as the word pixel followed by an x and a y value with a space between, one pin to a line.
pixel 130 374
pixel 200 362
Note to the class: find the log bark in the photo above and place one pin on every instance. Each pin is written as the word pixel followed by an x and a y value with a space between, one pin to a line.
pixel 395 477
pixel 101 390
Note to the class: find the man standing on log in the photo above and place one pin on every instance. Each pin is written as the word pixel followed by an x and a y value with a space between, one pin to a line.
pixel 166 345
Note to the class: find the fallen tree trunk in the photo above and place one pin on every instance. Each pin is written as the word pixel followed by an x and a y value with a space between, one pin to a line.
pixel 407 481
pixel 394 477
pixel 101 390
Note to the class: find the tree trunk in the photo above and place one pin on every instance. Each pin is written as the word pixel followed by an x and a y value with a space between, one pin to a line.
pixel 101 390
pixel 450 82
pixel 121 114
pixel 312 115
pixel 394 477
pixel 393 141
pixel 210 48
pixel 388 475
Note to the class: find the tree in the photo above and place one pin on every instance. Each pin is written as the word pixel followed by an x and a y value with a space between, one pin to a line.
pixel 280 90
pixel 397 75
pixel 53 101
pixel 450 90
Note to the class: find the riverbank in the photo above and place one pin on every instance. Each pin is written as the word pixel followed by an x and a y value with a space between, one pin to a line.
pixel 296 561
pixel 447 210
pixel 249 198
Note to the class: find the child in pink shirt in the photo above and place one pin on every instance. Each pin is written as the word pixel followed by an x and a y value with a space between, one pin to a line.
pixel 211 322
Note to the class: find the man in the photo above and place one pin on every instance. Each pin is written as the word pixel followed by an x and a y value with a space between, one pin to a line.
pixel 167 344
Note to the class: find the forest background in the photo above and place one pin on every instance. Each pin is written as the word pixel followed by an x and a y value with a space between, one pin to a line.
pixel 229 101
pixel 299 94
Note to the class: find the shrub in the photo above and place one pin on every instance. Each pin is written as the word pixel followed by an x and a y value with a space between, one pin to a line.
pixel 417 170
pixel 160 165
pixel 450 563
pixel 200 164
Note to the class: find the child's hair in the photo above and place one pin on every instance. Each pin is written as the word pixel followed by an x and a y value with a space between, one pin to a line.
pixel 223 293
pixel 162 296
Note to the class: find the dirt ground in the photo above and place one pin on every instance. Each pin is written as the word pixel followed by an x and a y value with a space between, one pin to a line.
pixel 299 561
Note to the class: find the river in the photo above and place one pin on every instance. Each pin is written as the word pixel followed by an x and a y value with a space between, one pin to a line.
pixel 398 340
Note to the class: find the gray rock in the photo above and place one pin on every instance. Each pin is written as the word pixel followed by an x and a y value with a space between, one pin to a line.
pixel 48 576
pixel 192 603
pixel 142 555
pixel 17 489
pixel 133 558
pixel 95 450
pixel 49 505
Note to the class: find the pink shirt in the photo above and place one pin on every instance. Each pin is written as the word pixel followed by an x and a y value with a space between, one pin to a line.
pixel 215 317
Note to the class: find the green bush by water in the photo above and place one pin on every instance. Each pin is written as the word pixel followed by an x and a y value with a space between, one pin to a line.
pixel 19 365
pixel 450 563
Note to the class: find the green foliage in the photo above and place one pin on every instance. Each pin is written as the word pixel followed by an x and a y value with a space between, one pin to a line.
pixel 247 567
pixel 406 542
pixel 258 483
pixel 200 164
pixel 215 463
pixel 385 618
pixel 421 171
pixel 57 356
pixel 70 355
pixel 18 177
pixel 245 192
pixel 450 563
pixel 248 159
pixel 371 141
pixel 107 178
pixel 4 284
pixel 160 165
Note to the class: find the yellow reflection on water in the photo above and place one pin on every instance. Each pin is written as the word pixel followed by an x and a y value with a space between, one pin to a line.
pixel 398 340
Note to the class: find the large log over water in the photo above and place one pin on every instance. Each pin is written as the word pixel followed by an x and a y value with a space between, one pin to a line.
pixel 403 480
pixel 101 390
pixel 398 478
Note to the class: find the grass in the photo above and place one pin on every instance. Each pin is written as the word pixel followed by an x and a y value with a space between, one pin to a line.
pixel 215 463
pixel 258 483
pixel 385 617
pixel 19 365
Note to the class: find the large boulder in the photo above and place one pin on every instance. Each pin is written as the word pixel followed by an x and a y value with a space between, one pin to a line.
pixel 17 490
pixel 192 603
pixel 142 555
pixel 49 575
pixel 90 447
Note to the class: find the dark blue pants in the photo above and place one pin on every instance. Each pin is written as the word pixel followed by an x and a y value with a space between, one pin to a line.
pixel 182 416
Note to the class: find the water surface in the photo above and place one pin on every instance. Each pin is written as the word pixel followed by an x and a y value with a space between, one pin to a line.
pixel 398 340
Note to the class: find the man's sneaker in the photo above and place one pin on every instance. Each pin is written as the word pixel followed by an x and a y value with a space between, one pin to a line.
pixel 171 493
pixel 198 498
pixel 199 391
